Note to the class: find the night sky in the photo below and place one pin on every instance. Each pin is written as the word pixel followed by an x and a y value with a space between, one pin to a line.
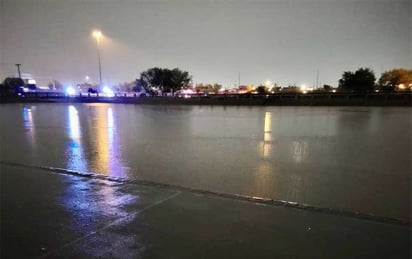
pixel 282 41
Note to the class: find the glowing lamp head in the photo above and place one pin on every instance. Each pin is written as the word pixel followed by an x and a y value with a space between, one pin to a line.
pixel 97 34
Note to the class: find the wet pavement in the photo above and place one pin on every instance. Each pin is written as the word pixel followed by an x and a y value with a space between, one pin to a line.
pixel 343 158
pixel 52 215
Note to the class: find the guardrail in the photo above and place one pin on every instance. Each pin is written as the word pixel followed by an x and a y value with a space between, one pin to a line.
pixel 369 99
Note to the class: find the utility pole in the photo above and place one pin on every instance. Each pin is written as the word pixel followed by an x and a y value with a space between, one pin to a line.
pixel 18 69
pixel 239 80
pixel 98 35
pixel 100 64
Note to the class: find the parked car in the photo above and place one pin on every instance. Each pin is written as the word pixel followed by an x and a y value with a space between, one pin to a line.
pixel 92 91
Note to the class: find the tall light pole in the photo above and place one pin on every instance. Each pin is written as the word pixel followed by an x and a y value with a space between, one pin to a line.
pixel 98 34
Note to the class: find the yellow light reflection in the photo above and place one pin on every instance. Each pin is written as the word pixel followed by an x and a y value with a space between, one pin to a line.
pixel 263 181
pixel 268 125
pixel 265 176
pixel 106 158
pixel 102 145
pixel 266 146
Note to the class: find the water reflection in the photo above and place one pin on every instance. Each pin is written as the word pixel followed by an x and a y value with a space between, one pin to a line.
pixel 100 127
pixel 266 145
pixel 106 158
pixel 115 165
pixel 29 124
pixel 74 123
pixel 299 150
pixel 86 197
pixel 264 178
pixel 296 188
pixel 314 155
pixel 74 150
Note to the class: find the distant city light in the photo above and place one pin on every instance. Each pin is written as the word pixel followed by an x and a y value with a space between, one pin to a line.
pixel 268 83
pixel 31 81
pixel 108 92
pixel 401 86
pixel 303 87
pixel 187 91
pixel 333 91
pixel 70 90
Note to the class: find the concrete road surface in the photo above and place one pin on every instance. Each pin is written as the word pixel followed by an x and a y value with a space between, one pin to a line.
pixel 50 215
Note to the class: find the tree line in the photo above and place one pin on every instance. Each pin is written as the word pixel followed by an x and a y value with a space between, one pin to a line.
pixel 163 79
pixel 364 80
pixel 171 80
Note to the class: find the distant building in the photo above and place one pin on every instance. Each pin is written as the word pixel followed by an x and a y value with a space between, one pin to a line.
pixel 40 82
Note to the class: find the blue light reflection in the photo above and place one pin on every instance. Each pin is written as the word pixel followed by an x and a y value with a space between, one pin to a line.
pixel 74 149
pixel 29 124
pixel 85 198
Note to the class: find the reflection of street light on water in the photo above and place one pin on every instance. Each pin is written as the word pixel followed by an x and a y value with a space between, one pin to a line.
pixel 98 34
pixel 267 137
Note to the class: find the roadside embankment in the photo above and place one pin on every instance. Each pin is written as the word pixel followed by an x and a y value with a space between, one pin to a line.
pixel 341 99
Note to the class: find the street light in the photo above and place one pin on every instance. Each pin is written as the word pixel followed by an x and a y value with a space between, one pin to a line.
pixel 98 34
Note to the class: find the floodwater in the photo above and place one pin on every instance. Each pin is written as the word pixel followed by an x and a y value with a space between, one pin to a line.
pixel 351 158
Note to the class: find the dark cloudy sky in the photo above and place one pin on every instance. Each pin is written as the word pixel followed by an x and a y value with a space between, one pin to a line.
pixel 285 41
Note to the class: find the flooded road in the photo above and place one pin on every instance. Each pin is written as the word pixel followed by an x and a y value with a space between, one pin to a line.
pixel 352 158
